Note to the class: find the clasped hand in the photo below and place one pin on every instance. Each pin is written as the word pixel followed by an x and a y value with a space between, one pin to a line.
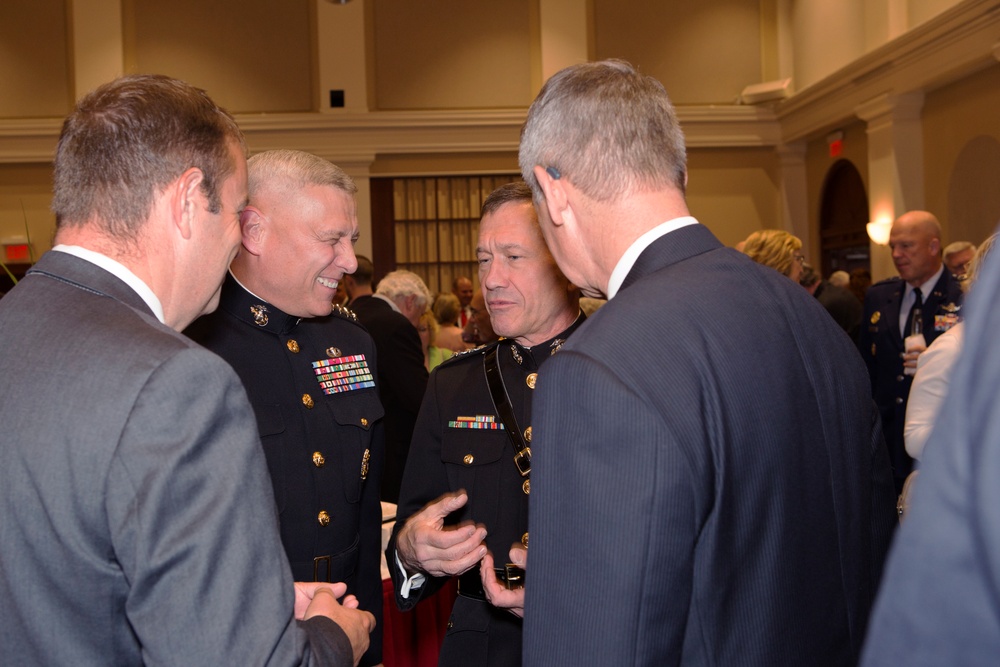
pixel 425 544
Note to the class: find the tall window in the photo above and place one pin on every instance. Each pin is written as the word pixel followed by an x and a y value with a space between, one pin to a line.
pixel 435 225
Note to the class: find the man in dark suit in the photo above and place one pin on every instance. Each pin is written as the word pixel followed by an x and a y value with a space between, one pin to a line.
pixel 138 523
pixel 940 598
pixel 391 316
pixel 309 372
pixel 924 285
pixel 720 499
pixel 463 468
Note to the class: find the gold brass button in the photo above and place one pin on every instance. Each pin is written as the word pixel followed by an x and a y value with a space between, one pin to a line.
pixel 531 380
pixel 527 434
pixel 307 401
pixel 526 486
pixel 292 346
pixel 324 520
pixel 524 540
pixel 318 459
pixel 468 459
pixel 364 422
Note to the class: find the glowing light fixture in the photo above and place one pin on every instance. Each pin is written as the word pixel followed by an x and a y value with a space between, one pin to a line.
pixel 878 231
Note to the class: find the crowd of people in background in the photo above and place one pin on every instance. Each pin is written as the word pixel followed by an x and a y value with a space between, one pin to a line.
pixel 219 401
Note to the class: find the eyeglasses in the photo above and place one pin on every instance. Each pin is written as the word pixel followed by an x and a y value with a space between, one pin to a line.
pixel 799 258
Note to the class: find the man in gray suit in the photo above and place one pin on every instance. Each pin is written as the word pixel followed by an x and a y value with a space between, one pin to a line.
pixel 710 485
pixel 138 522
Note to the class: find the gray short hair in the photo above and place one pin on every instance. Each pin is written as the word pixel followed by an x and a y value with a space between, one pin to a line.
pixel 401 284
pixel 287 169
pixel 607 128
pixel 957 247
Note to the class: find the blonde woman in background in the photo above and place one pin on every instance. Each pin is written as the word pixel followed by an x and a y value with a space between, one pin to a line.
pixel 427 328
pixel 777 249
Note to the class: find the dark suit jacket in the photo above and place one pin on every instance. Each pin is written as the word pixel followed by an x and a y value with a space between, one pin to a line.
pixel 723 499
pixel 940 601
pixel 881 345
pixel 843 307
pixel 402 380
pixel 137 514
pixel 324 456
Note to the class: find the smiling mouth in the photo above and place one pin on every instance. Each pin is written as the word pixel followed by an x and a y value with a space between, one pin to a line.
pixel 326 282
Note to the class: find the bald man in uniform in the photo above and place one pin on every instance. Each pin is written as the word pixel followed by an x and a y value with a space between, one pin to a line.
pixel 923 285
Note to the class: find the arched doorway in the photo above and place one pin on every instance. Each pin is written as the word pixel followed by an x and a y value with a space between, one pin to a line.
pixel 842 219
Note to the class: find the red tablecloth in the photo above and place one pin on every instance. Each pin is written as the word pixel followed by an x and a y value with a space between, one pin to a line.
pixel 413 638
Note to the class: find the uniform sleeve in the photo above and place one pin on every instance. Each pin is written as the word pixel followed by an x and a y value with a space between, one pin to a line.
pixel 194 528
pixel 612 519
pixel 424 480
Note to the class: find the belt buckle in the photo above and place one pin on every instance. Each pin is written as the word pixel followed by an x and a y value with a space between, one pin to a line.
pixel 329 573
pixel 523 461
pixel 513 576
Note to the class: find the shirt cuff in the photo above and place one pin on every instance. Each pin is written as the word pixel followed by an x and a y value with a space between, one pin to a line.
pixel 409 583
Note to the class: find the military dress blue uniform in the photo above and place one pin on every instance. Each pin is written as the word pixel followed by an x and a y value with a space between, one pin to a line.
pixel 881 346
pixel 460 442
pixel 311 384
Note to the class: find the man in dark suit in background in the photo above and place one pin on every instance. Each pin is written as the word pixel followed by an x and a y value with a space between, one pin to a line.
pixel 139 525
pixel 391 316
pixel 309 372
pixel 924 285
pixel 722 497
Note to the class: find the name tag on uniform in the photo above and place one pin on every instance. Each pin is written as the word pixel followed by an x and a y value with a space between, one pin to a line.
pixel 340 374
pixel 478 422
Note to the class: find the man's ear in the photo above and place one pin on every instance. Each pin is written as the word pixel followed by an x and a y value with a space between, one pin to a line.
pixel 935 246
pixel 556 197
pixel 187 198
pixel 252 223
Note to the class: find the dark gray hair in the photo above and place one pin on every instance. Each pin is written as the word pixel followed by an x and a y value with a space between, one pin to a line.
pixel 518 191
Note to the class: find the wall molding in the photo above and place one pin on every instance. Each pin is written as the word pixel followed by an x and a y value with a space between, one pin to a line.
pixel 956 43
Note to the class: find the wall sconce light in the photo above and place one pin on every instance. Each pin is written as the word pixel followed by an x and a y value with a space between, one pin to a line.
pixel 878 231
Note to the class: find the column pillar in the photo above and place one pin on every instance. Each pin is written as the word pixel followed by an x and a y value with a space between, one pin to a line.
pixel 895 164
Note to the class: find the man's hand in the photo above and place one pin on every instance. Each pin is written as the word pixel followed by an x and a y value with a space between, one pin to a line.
pixel 496 592
pixel 910 358
pixel 424 544
pixel 320 599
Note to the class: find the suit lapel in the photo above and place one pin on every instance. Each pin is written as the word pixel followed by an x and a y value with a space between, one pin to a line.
pixel 672 248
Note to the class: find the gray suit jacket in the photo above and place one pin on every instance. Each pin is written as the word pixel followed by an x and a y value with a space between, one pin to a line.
pixel 137 523
pixel 709 483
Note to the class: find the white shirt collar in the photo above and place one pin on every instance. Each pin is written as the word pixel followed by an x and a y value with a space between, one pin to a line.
pixel 392 304
pixel 627 260
pixel 120 271
pixel 927 287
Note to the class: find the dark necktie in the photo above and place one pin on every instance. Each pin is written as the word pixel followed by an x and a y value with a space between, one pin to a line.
pixel 918 303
